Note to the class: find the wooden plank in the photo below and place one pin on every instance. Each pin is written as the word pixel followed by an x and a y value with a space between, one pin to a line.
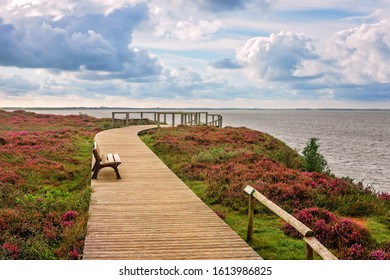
pixel 150 213
pixel 110 158
pixel 117 158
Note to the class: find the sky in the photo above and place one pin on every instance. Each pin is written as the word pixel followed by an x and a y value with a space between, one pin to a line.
pixel 199 53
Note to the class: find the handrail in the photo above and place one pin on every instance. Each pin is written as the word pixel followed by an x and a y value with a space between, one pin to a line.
pixel 308 235
pixel 186 118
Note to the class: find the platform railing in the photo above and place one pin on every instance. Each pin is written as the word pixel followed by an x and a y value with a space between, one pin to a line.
pixel 173 118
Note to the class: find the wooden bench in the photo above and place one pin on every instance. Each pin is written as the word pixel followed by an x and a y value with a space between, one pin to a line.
pixel 104 160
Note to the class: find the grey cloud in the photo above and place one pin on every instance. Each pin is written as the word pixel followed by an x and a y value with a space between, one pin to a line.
pixel 94 42
pixel 226 64
pixel 370 92
pixel 231 5
pixel 17 85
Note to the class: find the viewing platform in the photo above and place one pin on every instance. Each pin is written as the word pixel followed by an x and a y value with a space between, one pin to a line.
pixel 173 118
pixel 150 214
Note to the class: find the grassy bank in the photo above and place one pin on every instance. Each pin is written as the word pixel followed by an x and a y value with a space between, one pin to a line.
pixel 44 184
pixel 351 220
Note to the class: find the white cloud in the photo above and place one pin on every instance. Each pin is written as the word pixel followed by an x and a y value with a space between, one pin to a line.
pixel 361 55
pixel 354 65
pixel 275 58
pixel 190 30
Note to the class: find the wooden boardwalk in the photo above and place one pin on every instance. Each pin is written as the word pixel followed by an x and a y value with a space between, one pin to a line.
pixel 150 213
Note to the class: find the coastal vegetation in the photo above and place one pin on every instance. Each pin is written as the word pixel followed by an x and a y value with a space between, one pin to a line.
pixel 45 183
pixel 45 190
pixel 352 220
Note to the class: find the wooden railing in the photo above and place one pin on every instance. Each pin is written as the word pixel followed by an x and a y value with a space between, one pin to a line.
pixel 175 118
pixel 312 244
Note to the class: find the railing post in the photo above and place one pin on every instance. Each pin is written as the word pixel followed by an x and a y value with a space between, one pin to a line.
pixel 127 119
pixel 251 214
pixel 113 119
pixel 173 119
pixel 158 119
pixel 309 252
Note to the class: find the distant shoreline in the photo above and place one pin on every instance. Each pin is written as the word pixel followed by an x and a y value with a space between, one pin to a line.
pixel 190 108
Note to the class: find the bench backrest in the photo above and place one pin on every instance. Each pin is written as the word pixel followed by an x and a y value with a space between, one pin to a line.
pixel 96 152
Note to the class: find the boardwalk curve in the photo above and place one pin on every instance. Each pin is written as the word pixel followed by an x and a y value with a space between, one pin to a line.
pixel 150 213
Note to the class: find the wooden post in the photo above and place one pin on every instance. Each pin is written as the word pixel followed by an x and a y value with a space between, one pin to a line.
pixel 165 117
pixel 127 119
pixel 220 121
pixel 113 119
pixel 142 115
pixel 155 116
pixel 309 252
pixel 251 214
pixel 173 119
pixel 158 119
pixel 207 118
pixel 213 120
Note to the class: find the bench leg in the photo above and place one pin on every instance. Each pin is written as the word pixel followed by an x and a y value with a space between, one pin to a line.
pixel 94 166
pixel 95 171
pixel 97 168
pixel 117 172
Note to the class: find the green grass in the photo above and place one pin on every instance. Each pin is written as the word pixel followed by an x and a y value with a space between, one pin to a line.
pixel 268 239
pixel 379 230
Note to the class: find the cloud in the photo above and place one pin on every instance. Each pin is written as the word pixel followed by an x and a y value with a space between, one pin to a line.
pixel 361 55
pixel 96 42
pixel 226 64
pixel 231 5
pixel 275 58
pixel 185 82
pixel 16 85
pixel 354 62
pixel 191 30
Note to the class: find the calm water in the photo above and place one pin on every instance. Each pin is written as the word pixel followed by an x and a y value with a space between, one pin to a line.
pixel 355 143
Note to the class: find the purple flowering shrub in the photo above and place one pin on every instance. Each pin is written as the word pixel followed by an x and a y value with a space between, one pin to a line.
pixel 352 240
pixel 43 196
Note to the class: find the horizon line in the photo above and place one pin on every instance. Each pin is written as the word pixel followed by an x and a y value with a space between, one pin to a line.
pixel 181 108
